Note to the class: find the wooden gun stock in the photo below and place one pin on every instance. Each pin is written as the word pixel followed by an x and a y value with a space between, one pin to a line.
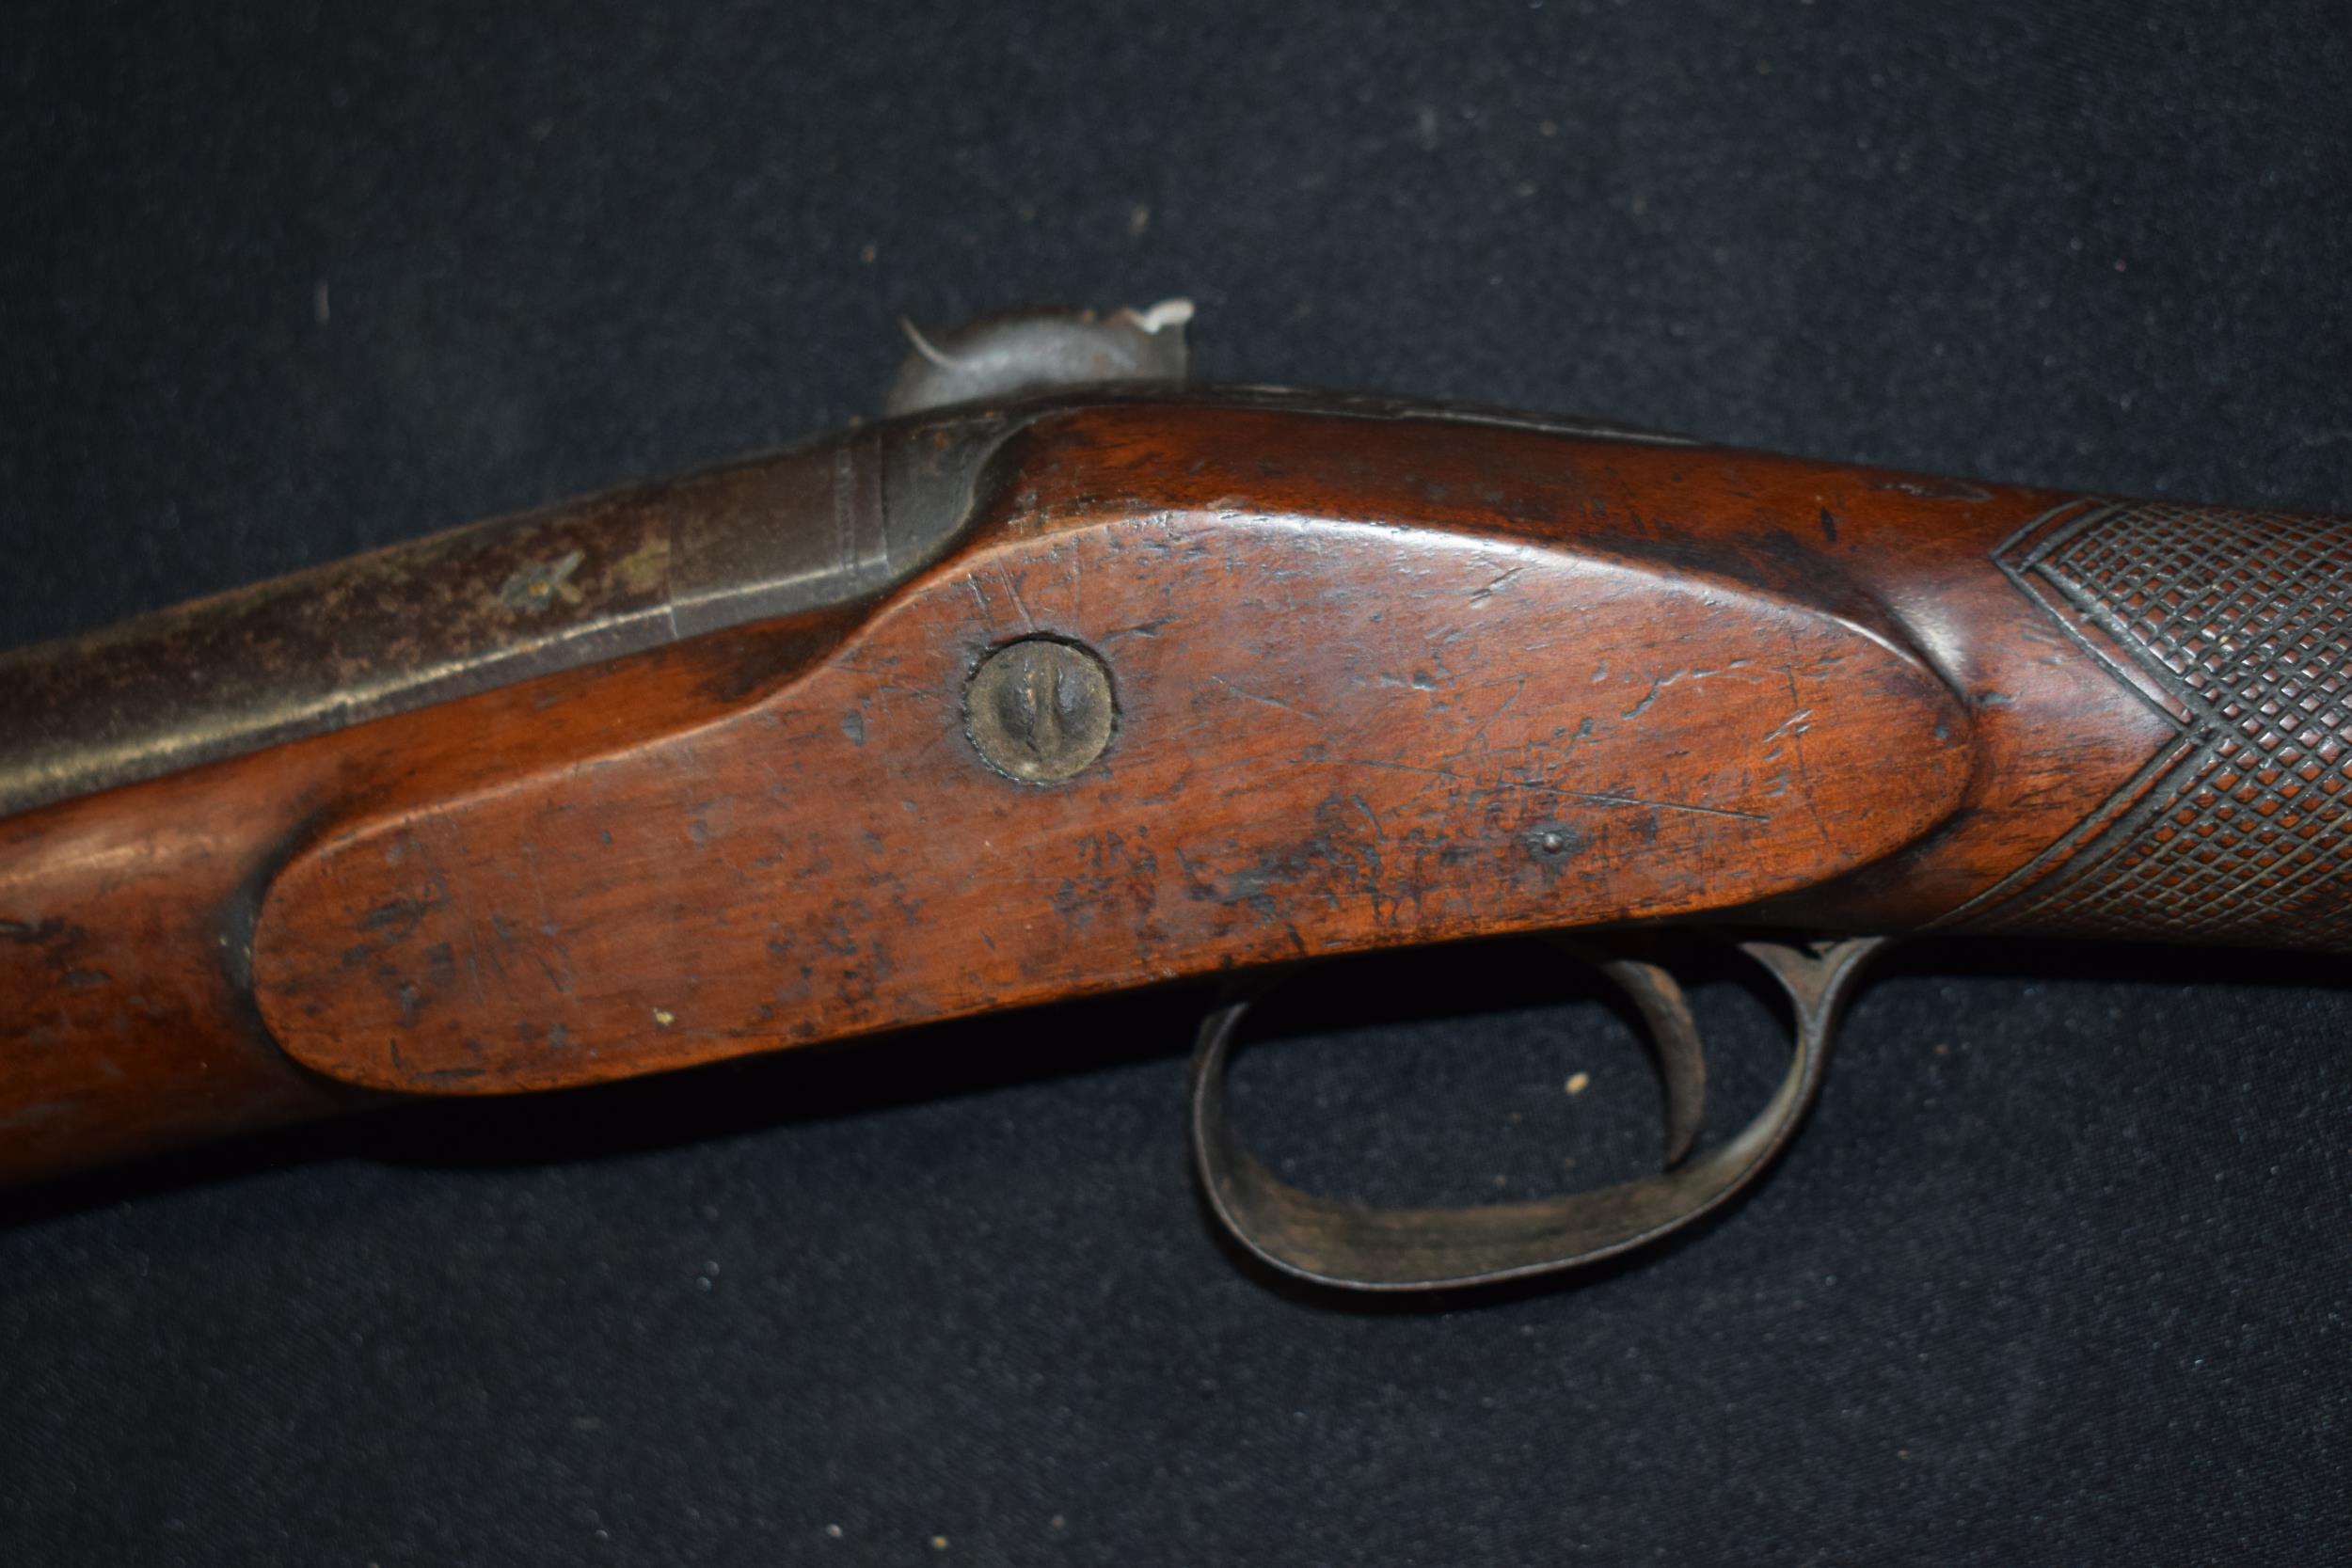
pixel 988 707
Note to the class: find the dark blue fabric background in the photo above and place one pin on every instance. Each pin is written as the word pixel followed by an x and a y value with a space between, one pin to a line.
pixel 2057 1273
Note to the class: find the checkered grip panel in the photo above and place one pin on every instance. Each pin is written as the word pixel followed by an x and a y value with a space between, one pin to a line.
pixel 2246 834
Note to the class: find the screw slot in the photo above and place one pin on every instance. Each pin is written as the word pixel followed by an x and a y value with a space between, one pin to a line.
pixel 1039 710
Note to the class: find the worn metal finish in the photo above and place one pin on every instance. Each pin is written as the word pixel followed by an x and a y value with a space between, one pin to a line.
pixel 1024 353
pixel 1039 709
pixel 1672 1037
pixel 484 607
pixel 478 607
pixel 1327 1242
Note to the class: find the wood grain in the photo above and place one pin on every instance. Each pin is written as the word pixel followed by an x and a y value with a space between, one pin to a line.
pixel 1333 734
pixel 1377 681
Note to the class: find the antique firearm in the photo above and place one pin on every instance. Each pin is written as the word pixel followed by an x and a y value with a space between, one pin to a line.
pixel 1066 678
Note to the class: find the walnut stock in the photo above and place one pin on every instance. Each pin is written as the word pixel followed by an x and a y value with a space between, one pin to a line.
pixel 1378 676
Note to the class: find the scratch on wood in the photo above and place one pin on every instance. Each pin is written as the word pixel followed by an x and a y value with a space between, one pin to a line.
pixel 1269 702
pixel 1483 594
pixel 1479 733
pixel 1796 743
pixel 1661 682
pixel 1012 591
pixel 1664 805
pixel 1146 628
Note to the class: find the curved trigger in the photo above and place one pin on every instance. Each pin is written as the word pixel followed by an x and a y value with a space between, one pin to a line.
pixel 1673 1037
pixel 1354 1247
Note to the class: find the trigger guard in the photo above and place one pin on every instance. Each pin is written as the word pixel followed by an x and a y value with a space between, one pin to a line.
pixel 1350 1246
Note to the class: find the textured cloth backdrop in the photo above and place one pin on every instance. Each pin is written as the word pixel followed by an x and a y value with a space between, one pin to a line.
pixel 2058 1271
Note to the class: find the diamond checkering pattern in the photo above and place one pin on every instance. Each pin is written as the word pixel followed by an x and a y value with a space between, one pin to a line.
pixel 2244 833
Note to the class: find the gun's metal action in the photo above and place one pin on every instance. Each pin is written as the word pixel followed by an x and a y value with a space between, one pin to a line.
pixel 1067 679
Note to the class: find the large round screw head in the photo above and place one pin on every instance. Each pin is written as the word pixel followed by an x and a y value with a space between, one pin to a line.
pixel 1039 711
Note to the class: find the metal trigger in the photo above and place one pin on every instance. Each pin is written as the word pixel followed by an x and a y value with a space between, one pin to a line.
pixel 1350 1246
pixel 1673 1037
